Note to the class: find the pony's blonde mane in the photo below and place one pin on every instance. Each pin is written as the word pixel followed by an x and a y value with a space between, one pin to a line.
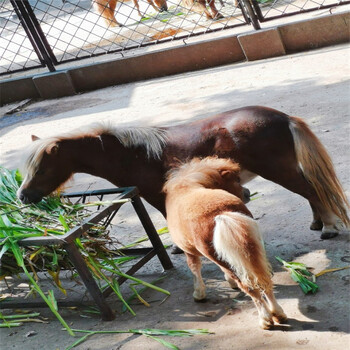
pixel 199 172
pixel 152 139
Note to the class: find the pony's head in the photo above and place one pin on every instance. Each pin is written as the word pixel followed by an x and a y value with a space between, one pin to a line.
pixel 52 161
pixel 210 172
pixel 44 170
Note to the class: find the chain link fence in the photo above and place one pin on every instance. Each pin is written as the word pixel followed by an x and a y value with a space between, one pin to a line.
pixel 36 33
pixel 268 10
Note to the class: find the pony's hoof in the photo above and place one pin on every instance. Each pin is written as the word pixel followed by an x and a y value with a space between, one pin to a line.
pixel 266 324
pixel 316 225
pixel 329 234
pixel 203 300
pixel 281 318
pixel 176 250
pixel 113 24
pixel 330 231
pixel 232 282
pixel 218 16
pixel 199 295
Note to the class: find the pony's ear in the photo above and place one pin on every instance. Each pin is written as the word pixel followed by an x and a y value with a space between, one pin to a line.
pixel 34 138
pixel 175 162
pixel 226 174
pixel 53 149
pixel 229 175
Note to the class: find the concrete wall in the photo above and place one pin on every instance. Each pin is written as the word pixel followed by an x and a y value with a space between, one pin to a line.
pixel 281 40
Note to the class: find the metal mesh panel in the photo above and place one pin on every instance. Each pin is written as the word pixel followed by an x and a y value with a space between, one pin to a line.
pixel 57 31
pixel 16 51
pixel 279 8
pixel 76 29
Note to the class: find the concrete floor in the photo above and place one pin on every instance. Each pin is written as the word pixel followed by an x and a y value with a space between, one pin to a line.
pixel 313 85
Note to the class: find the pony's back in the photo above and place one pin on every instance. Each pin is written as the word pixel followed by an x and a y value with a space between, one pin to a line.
pixel 210 172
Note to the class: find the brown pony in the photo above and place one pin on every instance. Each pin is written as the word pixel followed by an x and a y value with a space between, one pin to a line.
pixel 106 9
pixel 262 140
pixel 207 217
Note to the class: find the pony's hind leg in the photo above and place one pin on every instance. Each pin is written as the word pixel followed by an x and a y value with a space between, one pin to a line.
pixel 292 179
pixel 265 315
pixel 228 277
pixel 317 223
pixel 332 225
pixel 278 314
pixel 194 263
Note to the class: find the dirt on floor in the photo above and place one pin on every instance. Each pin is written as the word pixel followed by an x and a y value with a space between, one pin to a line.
pixel 313 85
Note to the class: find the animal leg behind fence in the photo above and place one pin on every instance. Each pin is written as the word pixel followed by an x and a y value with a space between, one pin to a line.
pixel 215 12
pixel 106 10
pixel 136 3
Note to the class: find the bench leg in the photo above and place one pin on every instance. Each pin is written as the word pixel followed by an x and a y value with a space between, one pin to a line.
pixel 152 233
pixel 91 285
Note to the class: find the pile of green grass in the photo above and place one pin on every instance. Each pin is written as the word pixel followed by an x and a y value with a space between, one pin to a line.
pixel 56 216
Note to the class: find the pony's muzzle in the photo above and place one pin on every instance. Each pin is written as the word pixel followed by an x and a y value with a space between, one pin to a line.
pixel 246 195
pixel 28 196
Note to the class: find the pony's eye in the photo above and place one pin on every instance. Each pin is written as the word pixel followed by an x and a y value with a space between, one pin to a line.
pixel 40 172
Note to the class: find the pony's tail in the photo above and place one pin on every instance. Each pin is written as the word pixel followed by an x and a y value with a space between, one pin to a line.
pixel 238 242
pixel 318 169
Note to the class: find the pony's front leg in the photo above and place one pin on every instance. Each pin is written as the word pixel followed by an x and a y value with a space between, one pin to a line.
pixel 278 314
pixel 194 263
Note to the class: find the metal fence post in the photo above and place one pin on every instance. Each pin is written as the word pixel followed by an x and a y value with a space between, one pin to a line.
pixel 248 11
pixel 34 32
pixel 257 10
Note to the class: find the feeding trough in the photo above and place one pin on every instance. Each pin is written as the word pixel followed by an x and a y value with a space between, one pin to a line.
pixel 103 214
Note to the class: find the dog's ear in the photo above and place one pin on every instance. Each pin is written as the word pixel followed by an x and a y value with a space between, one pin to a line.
pixel 34 138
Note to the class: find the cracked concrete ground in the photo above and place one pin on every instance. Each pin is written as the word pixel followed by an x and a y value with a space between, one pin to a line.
pixel 313 85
